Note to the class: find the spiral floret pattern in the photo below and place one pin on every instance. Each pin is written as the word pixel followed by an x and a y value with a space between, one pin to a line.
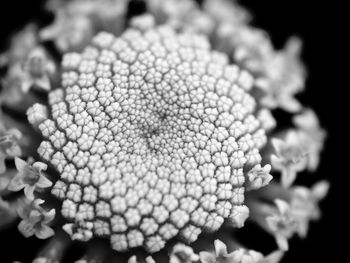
pixel 152 134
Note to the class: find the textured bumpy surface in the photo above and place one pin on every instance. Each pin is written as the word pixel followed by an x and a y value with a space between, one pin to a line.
pixel 151 134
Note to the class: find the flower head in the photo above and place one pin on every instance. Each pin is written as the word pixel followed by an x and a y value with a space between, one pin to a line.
pixel 145 135
pixel 29 177
pixel 157 129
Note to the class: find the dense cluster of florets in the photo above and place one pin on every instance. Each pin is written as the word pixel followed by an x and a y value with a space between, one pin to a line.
pixel 153 123
pixel 150 134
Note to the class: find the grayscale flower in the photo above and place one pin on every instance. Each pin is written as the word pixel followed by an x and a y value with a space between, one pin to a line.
pixel 283 77
pixel 282 223
pixel 290 156
pixel 304 204
pixel 9 146
pixel 152 136
pixel 259 176
pixel 35 220
pixel 29 177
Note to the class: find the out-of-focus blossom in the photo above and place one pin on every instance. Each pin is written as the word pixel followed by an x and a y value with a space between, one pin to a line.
pixel 9 145
pixel 7 210
pixel 252 48
pixel 77 21
pixel 29 177
pixel 5 179
pixel 282 223
pixel 35 220
pixel 283 77
pixel 304 204
pixel 280 75
pixel 226 12
pixel 181 14
pixel 267 120
pixel 35 70
pixel 290 156
pixel 54 250
pixel 312 135
pixel 249 47
pixel 69 32
pixel 20 44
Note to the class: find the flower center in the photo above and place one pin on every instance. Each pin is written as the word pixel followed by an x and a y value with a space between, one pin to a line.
pixel 150 135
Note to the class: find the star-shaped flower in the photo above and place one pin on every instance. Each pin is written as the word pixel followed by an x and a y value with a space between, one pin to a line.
pixel 312 134
pixel 304 204
pixel 35 220
pixel 283 76
pixel 29 177
pixel 37 70
pixel 290 157
pixel 282 223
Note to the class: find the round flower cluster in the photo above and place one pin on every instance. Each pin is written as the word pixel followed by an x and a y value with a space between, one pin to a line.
pixel 150 134
pixel 151 124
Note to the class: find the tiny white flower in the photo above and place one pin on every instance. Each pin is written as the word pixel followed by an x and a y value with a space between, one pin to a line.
pixel 304 204
pixel 282 223
pixel 29 177
pixel 290 157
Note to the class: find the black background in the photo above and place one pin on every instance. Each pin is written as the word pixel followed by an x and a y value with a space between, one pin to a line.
pixel 316 22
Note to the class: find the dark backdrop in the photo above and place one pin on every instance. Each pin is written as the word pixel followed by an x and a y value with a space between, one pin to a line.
pixel 315 23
